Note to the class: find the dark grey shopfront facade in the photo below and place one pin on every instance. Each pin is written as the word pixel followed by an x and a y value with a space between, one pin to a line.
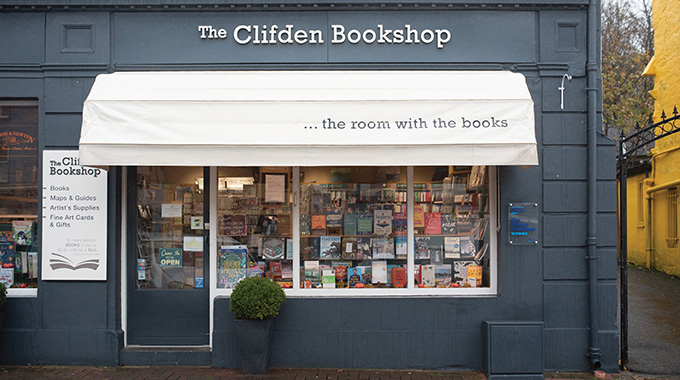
pixel 51 52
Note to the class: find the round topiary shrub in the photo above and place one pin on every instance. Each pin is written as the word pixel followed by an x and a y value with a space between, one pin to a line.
pixel 256 298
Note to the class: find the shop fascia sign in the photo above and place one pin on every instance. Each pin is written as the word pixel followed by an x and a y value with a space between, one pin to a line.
pixel 288 34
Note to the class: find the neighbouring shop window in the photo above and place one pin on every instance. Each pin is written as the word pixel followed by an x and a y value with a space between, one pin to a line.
pixel 254 225
pixel 19 203
pixel 170 228
pixel 672 218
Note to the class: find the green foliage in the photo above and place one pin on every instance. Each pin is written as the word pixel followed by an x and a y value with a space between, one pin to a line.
pixel 3 294
pixel 256 298
pixel 627 47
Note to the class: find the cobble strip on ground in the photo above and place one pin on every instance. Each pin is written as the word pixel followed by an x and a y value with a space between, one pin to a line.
pixel 208 373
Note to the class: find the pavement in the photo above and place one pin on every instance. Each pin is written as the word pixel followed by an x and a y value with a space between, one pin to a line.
pixel 207 373
pixel 653 323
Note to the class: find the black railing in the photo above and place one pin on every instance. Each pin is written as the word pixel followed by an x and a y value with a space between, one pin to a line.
pixel 629 146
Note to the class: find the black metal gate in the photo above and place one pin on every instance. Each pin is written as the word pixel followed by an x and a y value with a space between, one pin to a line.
pixel 627 147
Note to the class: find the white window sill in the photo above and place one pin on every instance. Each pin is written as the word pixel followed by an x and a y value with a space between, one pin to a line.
pixel 22 293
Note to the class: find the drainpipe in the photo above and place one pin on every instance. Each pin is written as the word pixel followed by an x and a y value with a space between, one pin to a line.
pixel 650 242
pixel 593 72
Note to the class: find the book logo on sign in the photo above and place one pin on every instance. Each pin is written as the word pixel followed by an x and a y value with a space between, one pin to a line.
pixel 63 262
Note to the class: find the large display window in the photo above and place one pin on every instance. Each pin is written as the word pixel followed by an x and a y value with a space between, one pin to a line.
pixel 354 227
pixel 357 230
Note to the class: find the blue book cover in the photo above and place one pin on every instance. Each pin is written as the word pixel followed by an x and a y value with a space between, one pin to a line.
pixel 334 219
pixel 353 276
pixel 7 252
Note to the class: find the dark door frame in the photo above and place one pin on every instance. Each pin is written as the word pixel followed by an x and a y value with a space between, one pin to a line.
pixel 131 233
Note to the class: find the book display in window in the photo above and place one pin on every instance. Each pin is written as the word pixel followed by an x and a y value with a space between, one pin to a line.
pixel 305 224
pixel 355 219
pixel 231 265
pixel 379 272
pixel 427 275
pixel 399 277
pixel 422 247
pixel 383 248
pixel 452 247
pixel 354 277
pixel 363 248
pixel 334 219
pixel 340 274
pixel 328 278
pixel 330 247
pixel 364 224
pixel 273 248
pixel 401 247
pixel 363 214
pixel 442 276
pixel 350 224
pixel 22 232
pixel 382 223
pixel 451 226
pixel 258 215
pixel 310 248
pixel 400 224
pixel 467 274
pixel 349 248
pixel 311 271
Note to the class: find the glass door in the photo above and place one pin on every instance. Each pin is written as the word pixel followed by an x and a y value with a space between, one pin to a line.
pixel 168 300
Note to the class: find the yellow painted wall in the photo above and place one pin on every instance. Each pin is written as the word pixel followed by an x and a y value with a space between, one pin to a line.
pixel 665 65
pixel 665 169
pixel 665 68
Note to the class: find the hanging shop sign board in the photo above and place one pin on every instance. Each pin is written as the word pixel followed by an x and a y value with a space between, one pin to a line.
pixel 74 218
pixel 309 118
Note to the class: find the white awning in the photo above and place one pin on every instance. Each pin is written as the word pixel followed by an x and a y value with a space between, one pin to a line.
pixel 308 118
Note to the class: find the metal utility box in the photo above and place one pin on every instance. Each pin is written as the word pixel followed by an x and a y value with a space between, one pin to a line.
pixel 513 350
